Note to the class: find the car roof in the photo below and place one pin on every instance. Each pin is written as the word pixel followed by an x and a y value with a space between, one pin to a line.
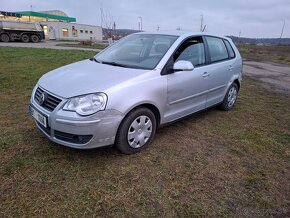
pixel 183 34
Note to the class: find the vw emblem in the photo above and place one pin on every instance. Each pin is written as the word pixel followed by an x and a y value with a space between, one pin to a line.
pixel 42 98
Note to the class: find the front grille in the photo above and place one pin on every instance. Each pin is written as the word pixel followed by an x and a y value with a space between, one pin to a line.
pixel 50 102
pixel 67 137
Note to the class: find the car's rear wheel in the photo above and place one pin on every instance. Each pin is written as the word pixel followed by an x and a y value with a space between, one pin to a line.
pixel 136 131
pixel 4 38
pixel 230 98
pixel 25 38
pixel 34 38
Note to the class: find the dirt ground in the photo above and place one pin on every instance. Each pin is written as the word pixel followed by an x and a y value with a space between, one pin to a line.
pixel 274 77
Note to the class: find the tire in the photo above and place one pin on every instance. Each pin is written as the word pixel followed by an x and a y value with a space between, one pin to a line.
pixel 230 98
pixel 25 38
pixel 4 38
pixel 34 38
pixel 136 131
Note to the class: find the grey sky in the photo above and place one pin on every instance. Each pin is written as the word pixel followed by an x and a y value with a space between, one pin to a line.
pixel 255 18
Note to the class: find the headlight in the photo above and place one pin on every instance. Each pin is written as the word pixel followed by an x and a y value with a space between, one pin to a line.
pixel 87 104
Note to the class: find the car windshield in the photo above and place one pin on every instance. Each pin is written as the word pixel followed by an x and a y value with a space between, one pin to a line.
pixel 141 51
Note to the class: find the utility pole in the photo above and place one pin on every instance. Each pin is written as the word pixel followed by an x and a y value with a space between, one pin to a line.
pixel 101 9
pixel 282 31
pixel 141 23
pixel 201 23
pixel 239 40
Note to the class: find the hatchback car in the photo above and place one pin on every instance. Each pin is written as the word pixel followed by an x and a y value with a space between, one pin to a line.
pixel 124 93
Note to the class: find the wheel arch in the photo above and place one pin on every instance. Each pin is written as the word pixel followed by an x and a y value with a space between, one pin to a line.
pixel 149 106
pixel 238 83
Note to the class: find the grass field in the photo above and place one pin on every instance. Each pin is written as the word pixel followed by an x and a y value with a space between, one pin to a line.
pixel 214 163
pixel 271 53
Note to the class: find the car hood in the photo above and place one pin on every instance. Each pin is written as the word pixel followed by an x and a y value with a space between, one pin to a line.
pixel 86 77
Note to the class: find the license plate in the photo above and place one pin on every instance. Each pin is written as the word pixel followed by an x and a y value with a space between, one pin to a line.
pixel 37 116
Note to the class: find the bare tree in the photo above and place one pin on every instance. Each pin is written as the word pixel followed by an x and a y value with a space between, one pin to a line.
pixel 107 23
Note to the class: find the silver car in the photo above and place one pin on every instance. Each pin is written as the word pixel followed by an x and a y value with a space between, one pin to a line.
pixel 124 93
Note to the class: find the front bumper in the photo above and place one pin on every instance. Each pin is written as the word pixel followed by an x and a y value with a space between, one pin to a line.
pixel 82 132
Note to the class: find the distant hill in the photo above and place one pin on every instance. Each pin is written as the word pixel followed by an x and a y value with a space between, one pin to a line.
pixel 125 31
pixel 119 33
pixel 265 41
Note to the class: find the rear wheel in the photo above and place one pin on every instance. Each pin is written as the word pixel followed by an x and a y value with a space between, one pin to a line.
pixel 4 38
pixel 136 131
pixel 25 38
pixel 230 98
pixel 34 38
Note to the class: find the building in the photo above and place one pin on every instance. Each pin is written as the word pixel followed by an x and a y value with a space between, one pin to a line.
pixel 57 25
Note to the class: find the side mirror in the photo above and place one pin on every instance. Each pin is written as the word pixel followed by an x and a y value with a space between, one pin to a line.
pixel 183 66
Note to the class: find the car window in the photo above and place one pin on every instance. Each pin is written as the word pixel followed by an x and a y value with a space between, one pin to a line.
pixel 137 51
pixel 217 49
pixel 191 50
pixel 230 49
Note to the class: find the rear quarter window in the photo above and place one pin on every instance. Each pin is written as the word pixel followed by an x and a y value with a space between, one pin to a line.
pixel 230 49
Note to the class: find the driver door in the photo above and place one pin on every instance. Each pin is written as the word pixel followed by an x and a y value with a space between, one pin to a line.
pixel 187 90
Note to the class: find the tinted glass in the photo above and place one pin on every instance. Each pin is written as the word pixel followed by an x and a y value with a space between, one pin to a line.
pixel 191 50
pixel 230 49
pixel 137 51
pixel 217 49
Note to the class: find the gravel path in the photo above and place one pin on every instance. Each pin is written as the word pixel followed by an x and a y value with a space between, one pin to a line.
pixel 274 77
pixel 45 44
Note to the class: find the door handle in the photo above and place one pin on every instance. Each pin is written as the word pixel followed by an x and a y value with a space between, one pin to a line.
pixel 230 68
pixel 205 74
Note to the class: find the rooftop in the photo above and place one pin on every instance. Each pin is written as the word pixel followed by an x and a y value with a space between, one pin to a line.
pixel 47 16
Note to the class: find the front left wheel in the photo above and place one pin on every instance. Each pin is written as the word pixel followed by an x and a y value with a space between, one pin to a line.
pixel 136 131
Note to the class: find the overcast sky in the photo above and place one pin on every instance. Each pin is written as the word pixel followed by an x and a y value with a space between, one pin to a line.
pixel 254 18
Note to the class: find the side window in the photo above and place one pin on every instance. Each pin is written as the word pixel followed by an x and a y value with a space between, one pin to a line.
pixel 230 49
pixel 217 49
pixel 191 50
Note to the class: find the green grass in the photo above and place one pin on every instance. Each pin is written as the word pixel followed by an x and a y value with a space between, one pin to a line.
pixel 214 163
pixel 270 53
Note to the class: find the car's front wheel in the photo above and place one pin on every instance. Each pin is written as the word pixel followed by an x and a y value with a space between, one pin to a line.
pixel 136 131
pixel 230 98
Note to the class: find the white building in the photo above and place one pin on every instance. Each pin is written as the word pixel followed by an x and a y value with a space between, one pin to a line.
pixel 57 25
pixel 71 31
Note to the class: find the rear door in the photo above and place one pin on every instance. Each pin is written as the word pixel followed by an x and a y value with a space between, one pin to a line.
pixel 220 70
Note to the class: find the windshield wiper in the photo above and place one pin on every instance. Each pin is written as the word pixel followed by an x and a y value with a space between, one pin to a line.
pixel 114 64
pixel 94 59
pixel 117 64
